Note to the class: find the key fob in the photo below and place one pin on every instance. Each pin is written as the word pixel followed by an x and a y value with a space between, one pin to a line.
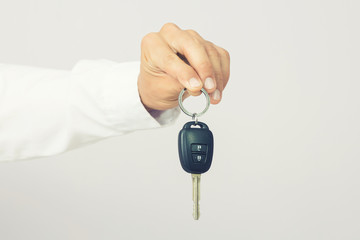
pixel 195 144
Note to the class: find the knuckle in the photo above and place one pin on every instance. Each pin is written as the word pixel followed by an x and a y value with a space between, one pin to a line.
pixel 192 39
pixel 212 51
pixel 210 44
pixel 191 42
pixel 148 39
pixel 197 42
pixel 169 27
pixel 192 32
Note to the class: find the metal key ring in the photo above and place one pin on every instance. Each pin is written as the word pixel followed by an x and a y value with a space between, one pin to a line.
pixel 194 115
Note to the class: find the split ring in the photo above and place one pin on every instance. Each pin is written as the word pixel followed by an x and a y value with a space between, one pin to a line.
pixel 194 115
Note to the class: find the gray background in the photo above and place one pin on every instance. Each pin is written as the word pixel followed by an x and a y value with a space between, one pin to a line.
pixel 286 162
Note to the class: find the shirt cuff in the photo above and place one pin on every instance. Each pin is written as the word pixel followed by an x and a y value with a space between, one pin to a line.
pixel 165 117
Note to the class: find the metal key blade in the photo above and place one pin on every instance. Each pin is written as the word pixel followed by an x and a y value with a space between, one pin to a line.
pixel 196 195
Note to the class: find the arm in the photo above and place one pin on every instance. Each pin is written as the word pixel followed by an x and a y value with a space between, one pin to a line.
pixel 44 112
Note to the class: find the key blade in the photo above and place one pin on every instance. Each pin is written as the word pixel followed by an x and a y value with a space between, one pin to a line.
pixel 196 195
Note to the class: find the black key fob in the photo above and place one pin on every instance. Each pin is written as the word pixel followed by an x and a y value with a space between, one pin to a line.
pixel 196 144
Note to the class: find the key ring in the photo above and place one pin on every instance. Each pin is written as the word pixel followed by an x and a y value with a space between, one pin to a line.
pixel 194 115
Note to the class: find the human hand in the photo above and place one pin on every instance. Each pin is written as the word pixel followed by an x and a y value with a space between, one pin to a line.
pixel 173 59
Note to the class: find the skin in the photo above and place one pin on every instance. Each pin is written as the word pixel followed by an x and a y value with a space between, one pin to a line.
pixel 172 59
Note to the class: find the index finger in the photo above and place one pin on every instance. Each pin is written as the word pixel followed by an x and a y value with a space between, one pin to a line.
pixel 192 46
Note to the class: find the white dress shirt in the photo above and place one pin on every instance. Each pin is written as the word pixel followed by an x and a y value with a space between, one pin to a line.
pixel 44 112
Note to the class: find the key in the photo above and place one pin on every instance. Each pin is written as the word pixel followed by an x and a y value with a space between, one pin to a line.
pixel 196 195
pixel 195 144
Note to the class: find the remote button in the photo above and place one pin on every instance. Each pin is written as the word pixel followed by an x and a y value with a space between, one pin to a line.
pixel 199 158
pixel 198 147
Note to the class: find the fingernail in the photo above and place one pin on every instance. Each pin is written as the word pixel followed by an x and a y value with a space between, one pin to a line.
pixel 194 83
pixel 209 83
pixel 216 95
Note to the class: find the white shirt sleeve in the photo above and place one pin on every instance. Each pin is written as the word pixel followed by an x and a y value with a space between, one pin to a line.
pixel 44 112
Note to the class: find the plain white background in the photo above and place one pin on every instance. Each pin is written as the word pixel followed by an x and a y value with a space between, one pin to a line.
pixel 286 161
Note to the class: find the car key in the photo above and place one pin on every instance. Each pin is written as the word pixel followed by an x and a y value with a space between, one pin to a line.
pixel 196 144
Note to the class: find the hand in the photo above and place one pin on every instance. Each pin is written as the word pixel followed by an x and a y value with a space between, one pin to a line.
pixel 174 59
